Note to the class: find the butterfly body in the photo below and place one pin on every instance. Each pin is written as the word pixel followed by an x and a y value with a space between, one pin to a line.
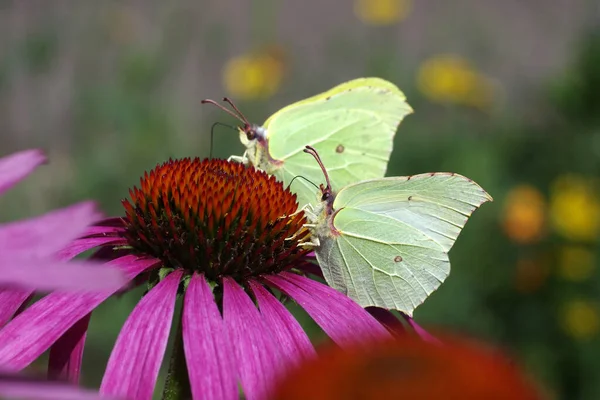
pixel 384 242
pixel 351 125
pixel 254 137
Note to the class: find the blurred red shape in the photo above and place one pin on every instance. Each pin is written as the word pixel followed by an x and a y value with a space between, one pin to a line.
pixel 408 368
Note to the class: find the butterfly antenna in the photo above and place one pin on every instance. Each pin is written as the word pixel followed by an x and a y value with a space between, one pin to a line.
pixel 237 110
pixel 306 179
pixel 310 150
pixel 212 131
pixel 239 117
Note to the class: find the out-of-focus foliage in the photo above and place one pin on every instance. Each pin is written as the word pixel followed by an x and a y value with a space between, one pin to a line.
pixel 113 96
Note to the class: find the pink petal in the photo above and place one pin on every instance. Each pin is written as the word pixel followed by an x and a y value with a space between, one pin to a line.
pixel 117 222
pixel 426 336
pixel 108 226
pixel 16 387
pixel 48 275
pixel 135 360
pixel 133 265
pixel 27 336
pixel 293 342
pixel 32 332
pixel 78 246
pixel 10 301
pixel 207 351
pixel 310 268
pixel 255 350
pixel 45 235
pixel 15 167
pixel 67 353
pixel 387 319
pixel 341 318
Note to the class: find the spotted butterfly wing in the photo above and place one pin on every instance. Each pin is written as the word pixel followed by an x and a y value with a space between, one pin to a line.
pixel 385 242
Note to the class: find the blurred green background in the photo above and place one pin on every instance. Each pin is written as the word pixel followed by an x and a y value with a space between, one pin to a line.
pixel 505 93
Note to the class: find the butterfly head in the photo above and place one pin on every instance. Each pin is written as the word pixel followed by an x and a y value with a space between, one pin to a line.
pixel 251 131
pixel 254 132
pixel 327 195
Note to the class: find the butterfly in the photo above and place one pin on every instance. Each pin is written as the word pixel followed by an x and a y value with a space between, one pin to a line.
pixel 384 242
pixel 351 125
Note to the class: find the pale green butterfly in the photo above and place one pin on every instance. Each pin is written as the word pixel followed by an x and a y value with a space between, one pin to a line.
pixel 384 242
pixel 352 126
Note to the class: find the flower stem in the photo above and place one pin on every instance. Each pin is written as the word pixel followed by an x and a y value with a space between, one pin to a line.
pixel 177 385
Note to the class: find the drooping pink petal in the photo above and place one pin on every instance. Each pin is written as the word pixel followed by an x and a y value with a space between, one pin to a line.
pixel 310 268
pixel 134 363
pixel 10 301
pixel 133 265
pixel 294 344
pixel 32 332
pixel 341 318
pixel 387 319
pixel 78 246
pixel 66 354
pixel 103 230
pixel 256 354
pixel 108 226
pixel 208 352
pixel 117 222
pixel 420 331
pixel 15 167
pixel 47 274
pixel 18 387
pixel 45 235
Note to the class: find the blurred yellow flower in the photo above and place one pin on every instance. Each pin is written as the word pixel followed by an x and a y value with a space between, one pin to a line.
pixel 575 208
pixel 255 76
pixel 382 12
pixel 576 262
pixel 579 319
pixel 531 273
pixel 449 78
pixel 524 217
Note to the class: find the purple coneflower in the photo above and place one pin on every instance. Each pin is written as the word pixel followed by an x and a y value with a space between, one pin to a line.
pixel 228 240
pixel 22 387
pixel 28 259
pixel 28 262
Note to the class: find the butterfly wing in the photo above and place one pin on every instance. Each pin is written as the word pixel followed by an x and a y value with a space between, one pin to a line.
pixel 342 87
pixel 352 126
pixel 390 238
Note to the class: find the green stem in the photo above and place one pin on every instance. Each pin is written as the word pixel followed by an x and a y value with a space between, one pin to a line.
pixel 177 385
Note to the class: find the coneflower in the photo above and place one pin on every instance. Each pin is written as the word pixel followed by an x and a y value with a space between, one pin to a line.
pixel 29 263
pixel 407 368
pixel 226 238
pixel 28 259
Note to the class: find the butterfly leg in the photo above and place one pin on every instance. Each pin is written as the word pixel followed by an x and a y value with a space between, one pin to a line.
pixel 236 159
pixel 297 233
pixel 311 215
pixel 307 208
pixel 243 159
pixel 313 242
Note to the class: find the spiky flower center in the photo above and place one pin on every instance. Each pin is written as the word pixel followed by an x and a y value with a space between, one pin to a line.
pixel 216 217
